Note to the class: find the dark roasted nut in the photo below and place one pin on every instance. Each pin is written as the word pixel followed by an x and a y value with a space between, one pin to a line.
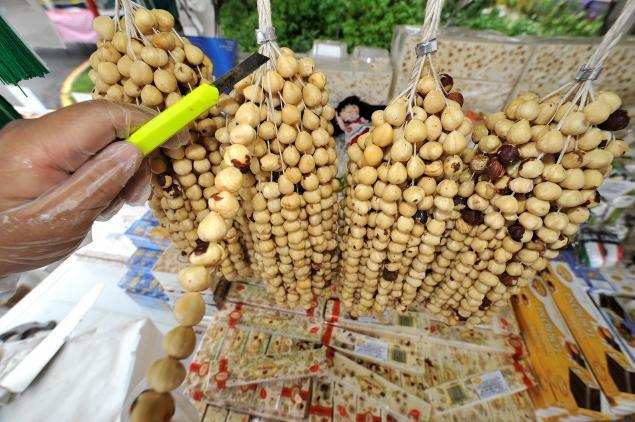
pixel 516 231
pixel 460 317
pixel 459 200
pixel 174 190
pixel 456 96
pixel 508 155
pixel 422 216
pixel 447 82
pixel 478 163
pixel 618 120
pixel 485 304
pixel 201 247
pixel 494 169
pixel 389 275
pixel 507 279
pixel 472 217
pixel 164 180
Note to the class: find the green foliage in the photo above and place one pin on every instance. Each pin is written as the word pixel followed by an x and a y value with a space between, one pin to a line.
pixel 371 22
pixel 299 22
pixel 82 82
pixel 542 18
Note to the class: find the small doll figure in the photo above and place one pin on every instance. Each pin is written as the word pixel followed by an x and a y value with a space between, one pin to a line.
pixel 353 118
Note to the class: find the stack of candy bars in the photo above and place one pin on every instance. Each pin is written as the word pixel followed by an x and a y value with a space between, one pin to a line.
pixel 582 368
pixel 311 365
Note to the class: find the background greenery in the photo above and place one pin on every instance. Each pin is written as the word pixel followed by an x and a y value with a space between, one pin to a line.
pixel 371 22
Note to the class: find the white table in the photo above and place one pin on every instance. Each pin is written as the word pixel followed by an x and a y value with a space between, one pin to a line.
pixel 67 285
pixel 56 295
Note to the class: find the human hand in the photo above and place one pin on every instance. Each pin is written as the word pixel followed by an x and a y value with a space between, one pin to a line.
pixel 61 172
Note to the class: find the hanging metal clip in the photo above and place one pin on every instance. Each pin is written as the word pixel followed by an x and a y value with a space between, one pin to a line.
pixel 427 47
pixel 588 73
pixel 265 35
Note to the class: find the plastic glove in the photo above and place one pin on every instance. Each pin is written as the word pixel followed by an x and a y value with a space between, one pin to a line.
pixel 62 171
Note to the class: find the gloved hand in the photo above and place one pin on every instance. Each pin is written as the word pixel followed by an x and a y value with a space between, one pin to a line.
pixel 62 171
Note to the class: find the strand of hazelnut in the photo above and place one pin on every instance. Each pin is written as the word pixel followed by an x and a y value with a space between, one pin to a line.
pixel 167 373
pixel 397 196
pixel 176 196
pixel 142 59
pixel 519 197
pixel 539 165
pixel 286 236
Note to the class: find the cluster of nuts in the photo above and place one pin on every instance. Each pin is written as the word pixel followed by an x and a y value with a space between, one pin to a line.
pixel 399 202
pixel 281 134
pixel 531 184
pixel 167 374
pixel 195 187
pixel 153 68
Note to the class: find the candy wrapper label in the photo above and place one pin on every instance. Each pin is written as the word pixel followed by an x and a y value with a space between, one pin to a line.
pixel 490 385
pixel 375 349
pixel 236 370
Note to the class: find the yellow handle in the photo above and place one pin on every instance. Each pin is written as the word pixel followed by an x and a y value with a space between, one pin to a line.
pixel 173 119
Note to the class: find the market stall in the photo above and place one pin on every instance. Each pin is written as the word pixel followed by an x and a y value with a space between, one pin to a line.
pixel 411 253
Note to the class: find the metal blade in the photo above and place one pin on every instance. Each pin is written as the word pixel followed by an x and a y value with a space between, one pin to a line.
pixel 238 72
pixel 22 375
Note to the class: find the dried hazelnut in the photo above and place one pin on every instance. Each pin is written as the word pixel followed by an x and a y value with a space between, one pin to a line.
pixel 456 96
pixel 617 147
pixel 508 155
pixel 452 166
pixel 560 243
pixel 507 279
pixel 617 120
pixel 507 204
pixel 519 133
pixel 494 169
pixel 531 168
pixel 495 220
pixel 389 275
pixel 573 159
pixel 547 191
pixel 551 142
pixel 521 185
pixel 472 217
pixel 597 159
pixel 478 163
pixel 447 82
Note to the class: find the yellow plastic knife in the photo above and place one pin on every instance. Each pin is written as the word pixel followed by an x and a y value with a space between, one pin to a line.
pixel 173 119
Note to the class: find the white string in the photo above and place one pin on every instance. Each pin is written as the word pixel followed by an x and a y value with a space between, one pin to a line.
pixel 581 90
pixel 601 53
pixel 429 31
pixel 264 14
pixel 613 35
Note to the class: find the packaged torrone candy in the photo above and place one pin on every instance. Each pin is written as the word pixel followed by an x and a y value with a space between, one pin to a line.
pixel 612 368
pixel 556 358
pixel 390 397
